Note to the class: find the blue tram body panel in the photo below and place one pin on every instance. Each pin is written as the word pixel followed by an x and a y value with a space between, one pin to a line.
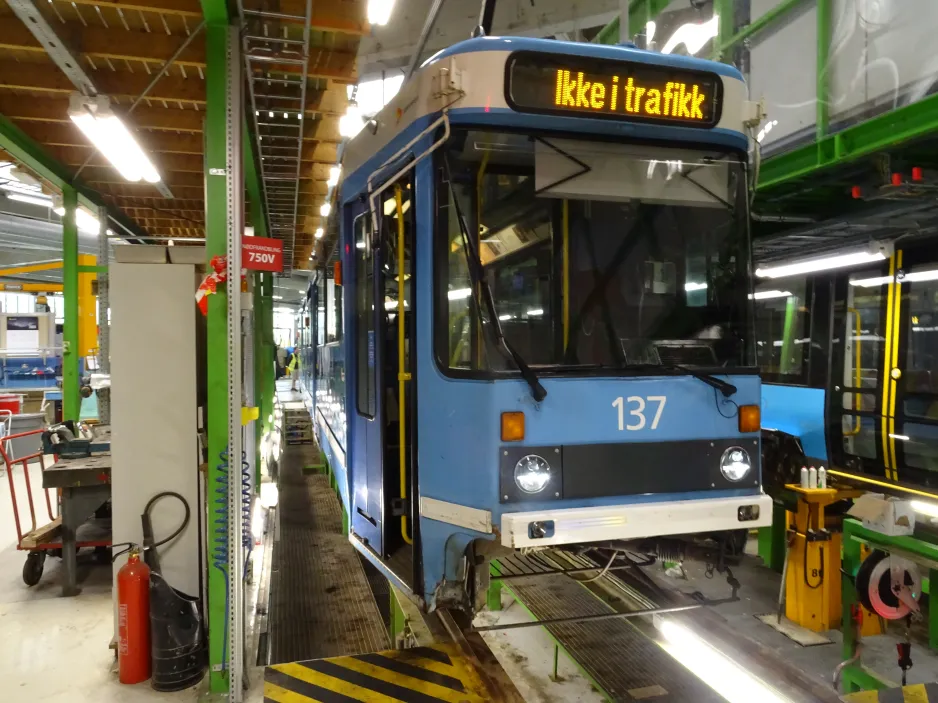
pixel 799 412
pixel 620 444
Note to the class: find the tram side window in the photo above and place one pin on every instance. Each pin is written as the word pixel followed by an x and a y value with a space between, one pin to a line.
pixel 321 310
pixel 920 379
pixel 783 330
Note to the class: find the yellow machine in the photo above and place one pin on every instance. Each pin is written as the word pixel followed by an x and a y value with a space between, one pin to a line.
pixel 812 582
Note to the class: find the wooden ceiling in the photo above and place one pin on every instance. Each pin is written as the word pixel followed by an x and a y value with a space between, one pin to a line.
pixel 122 46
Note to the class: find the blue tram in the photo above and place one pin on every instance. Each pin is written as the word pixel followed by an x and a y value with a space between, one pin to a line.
pixel 536 327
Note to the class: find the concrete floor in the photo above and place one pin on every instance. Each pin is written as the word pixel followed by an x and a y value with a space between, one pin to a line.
pixel 56 650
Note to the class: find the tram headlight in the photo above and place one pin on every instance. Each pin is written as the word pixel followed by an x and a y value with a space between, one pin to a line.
pixel 532 473
pixel 735 464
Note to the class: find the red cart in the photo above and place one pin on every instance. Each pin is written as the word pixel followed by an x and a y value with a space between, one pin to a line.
pixel 46 539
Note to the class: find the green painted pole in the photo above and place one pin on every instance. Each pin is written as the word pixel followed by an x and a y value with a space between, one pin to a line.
pixel 824 24
pixel 768 19
pixel 216 217
pixel 726 26
pixel 71 396
pixel 785 362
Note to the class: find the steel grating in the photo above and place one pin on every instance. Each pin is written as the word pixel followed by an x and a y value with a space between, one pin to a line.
pixel 619 659
pixel 321 604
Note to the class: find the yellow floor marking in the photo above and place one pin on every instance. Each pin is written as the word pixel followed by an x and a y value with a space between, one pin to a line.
pixel 915 694
pixel 282 695
pixel 411 684
pixel 330 683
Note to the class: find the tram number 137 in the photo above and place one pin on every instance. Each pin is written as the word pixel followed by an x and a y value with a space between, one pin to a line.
pixel 634 407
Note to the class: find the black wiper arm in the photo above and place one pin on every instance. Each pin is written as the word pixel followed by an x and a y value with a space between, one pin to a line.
pixel 725 387
pixel 477 279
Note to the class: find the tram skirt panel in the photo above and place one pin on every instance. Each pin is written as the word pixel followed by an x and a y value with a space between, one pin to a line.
pixel 419 675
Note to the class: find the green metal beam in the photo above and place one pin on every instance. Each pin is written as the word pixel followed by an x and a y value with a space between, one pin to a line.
pixel 216 244
pixel 885 131
pixel 71 397
pixel 24 149
pixel 726 25
pixel 640 12
pixel 753 28
pixel 824 36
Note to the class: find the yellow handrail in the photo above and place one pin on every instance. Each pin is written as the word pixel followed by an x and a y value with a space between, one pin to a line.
pixel 402 376
pixel 858 377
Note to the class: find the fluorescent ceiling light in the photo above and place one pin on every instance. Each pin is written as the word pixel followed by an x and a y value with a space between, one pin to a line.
pixel 459 293
pixel 931 275
pixel 325 209
pixel 824 264
pixel 278 297
pixel 390 206
pixel 711 666
pixel 693 36
pixel 763 133
pixel 371 96
pixel 85 220
pixel 351 123
pixel 392 304
pixel 536 312
pixel 650 28
pixel 334 173
pixel 31 199
pixel 360 244
pixel 112 138
pixel 379 11
pixel 876 281
pixel 503 318
pixel 769 294
pixel 691 286
pixel 318 233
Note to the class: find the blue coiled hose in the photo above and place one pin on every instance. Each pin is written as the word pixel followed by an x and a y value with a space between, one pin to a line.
pixel 220 554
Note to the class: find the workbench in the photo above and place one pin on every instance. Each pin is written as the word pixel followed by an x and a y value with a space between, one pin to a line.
pixel 85 485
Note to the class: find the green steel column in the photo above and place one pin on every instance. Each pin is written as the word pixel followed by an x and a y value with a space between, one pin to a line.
pixel 788 336
pixel 216 216
pixel 725 27
pixel 824 14
pixel 71 397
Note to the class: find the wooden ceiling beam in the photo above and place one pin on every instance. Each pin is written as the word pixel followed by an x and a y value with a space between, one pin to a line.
pixel 54 109
pixel 182 8
pixel 101 44
pixel 344 16
pixel 166 164
pixel 46 78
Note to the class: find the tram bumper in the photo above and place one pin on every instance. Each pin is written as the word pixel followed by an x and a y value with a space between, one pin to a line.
pixel 543 528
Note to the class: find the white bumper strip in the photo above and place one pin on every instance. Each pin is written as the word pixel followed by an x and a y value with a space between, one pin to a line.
pixel 634 521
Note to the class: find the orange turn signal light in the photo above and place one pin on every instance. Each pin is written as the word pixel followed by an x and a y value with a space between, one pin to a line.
pixel 750 418
pixel 512 427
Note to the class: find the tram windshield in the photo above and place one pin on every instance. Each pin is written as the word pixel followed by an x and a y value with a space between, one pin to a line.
pixel 597 254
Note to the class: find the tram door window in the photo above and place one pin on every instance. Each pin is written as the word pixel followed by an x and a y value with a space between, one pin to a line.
pixel 395 283
pixel 365 318
pixel 863 335
pixel 917 413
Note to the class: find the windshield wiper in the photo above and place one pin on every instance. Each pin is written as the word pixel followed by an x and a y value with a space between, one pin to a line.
pixel 478 282
pixel 726 388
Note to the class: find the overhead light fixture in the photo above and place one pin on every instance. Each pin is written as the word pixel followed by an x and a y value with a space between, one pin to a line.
pixel 692 286
pixel 318 233
pixel 876 281
pixel 379 11
pixel 172 243
pixel 93 116
pixel 650 28
pixel 325 209
pixel 30 199
pixel 693 36
pixel 334 173
pixel 929 509
pixel 770 294
pixel 352 122
pixel 879 253
pixel 278 297
pixel 459 293
pixel 85 221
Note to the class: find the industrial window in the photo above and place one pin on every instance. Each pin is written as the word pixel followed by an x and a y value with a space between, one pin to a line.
pixel 920 380
pixel 782 330
pixel 364 318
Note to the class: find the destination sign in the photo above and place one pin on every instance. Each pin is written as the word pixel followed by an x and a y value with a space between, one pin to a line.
pixel 624 90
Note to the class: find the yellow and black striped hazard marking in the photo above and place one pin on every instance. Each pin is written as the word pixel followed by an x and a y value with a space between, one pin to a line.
pixel 419 675
pixel 919 693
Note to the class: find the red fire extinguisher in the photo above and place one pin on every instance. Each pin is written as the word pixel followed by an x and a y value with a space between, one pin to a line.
pixel 133 617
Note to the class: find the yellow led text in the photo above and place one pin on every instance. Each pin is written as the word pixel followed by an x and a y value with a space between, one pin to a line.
pixel 676 100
